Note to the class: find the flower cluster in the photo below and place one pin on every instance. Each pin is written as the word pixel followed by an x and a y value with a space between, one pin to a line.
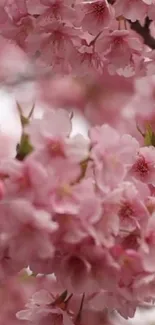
pixel 78 212
pixel 78 37
pixel 82 209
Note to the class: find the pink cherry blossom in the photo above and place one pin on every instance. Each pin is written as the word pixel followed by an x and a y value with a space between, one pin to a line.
pixel 24 180
pixel 52 40
pixel 134 10
pixel 130 208
pixel 151 9
pixel 147 246
pixel 125 307
pixel 55 143
pixel 97 15
pixel 118 47
pixel 54 123
pixel 16 8
pixel 19 289
pixel 58 9
pixel 77 212
pixel 48 304
pixel 76 215
pixel 88 61
pixel 35 226
pixel 143 167
pixel 110 156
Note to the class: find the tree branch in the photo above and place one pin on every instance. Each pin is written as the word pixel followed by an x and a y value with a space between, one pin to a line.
pixel 144 32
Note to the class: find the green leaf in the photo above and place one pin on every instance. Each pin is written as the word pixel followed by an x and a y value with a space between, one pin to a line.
pixel 24 148
pixel 25 120
pixel 149 139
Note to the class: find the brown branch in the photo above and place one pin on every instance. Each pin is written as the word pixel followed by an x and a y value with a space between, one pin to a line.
pixel 144 32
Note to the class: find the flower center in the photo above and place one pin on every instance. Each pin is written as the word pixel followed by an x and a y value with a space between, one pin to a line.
pixel 99 8
pixel 117 41
pixel 141 166
pixel 56 148
pixel 125 211
pixel 65 190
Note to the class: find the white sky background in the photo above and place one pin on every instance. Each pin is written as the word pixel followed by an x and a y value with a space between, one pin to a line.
pixel 9 124
pixel 10 132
